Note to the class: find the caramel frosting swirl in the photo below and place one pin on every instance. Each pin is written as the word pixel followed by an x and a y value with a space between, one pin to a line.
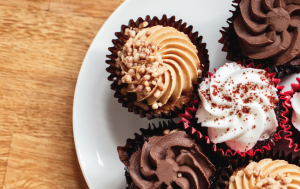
pixel 269 29
pixel 159 64
pixel 268 174
pixel 170 161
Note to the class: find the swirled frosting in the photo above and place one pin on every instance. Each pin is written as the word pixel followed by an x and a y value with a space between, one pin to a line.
pixel 295 101
pixel 159 64
pixel 170 161
pixel 237 105
pixel 268 174
pixel 269 29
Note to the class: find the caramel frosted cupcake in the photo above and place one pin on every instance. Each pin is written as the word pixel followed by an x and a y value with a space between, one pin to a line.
pixel 240 109
pixel 266 173
pixel 265 170
pixel 265 32
pixel 155 65
pixel 166 157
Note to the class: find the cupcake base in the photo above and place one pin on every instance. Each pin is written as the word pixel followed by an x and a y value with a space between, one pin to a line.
pixel 128 100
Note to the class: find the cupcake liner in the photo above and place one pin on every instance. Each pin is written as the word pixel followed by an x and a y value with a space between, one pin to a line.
pixel 231 47
pixel 292 135
pixel 127 100
pixel 189 122
pixel 132 145
pixel 225 173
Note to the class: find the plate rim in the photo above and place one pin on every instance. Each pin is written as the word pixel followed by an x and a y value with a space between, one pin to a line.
pixel 83 170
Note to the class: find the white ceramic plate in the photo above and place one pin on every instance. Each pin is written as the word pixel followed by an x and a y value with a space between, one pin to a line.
pixel 100 123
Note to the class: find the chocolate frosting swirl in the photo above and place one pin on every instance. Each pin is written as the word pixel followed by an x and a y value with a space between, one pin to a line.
pixel 269 29
pixel 170 161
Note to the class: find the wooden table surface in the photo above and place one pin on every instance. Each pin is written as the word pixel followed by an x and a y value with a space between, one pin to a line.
pixel 42 46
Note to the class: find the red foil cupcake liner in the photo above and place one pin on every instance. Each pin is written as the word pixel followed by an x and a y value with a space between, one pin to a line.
pixel 291 133
pixel 189 121
pixel 128 100
pixel 231 47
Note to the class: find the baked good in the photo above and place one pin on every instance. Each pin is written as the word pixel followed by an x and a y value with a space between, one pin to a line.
pixel 296 110
pixel 266 173
pixel 237 106
pixel 292 129
pixel 155 65
pixel 166 157
pixel 265 32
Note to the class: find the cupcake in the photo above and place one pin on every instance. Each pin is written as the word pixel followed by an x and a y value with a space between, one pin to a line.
pixel 266 173
pixel 268 170
pixel 156 65
pixel 166 157
pixel 239 109
pixel 292 126
pixel 264 32
pixel 296 110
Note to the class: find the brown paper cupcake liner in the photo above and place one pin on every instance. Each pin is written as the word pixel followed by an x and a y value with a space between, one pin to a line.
pixel 189 122
pixel 235 163
pixel 132 145
pixel 171 109
pixel 231 47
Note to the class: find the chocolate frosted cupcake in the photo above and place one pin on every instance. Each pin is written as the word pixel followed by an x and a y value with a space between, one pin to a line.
pixel 166 157
pixel 240 109
pixel 156 66
pixel 267 170
pixel 265 32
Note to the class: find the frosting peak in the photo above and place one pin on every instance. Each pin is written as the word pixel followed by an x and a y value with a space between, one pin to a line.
pixel 173 160
pixel 269 29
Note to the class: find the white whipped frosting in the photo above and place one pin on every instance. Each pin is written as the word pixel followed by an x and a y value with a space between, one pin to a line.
pixel 238 106
pixel 296 110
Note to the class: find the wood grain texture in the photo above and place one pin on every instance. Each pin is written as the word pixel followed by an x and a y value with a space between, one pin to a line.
pixel 42 46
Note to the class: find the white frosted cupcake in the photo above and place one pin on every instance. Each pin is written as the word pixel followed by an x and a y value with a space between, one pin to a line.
pixel 239 108
pixel 295 102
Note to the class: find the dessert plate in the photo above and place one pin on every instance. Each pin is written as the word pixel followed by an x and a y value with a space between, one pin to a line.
pixel 100 123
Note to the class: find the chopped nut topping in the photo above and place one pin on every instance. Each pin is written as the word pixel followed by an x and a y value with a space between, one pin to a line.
pixel 143 64
pixel 175 130
pixel 157 94
pixel 166 131
pixel 286 180
pixel 232 179
pixel 154 106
